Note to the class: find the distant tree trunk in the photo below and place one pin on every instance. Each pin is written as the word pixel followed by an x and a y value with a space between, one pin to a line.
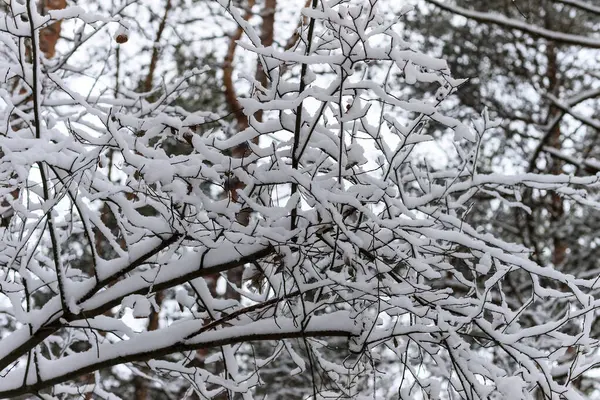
pixel 141 391
pixel 50 34
pixel 556 203
pixel 48 39
pixel 47 42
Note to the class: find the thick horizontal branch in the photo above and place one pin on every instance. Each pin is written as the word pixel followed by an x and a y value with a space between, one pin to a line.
pixel 119 273
pixel 211 262
pixel 20 342
pixel 173 274
pixel 525 27
pixel 581 5
pixel 156 344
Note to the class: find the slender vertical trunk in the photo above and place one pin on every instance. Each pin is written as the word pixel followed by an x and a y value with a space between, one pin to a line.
pixel 140 384
pixel 243 150
pixel 266 38
pixel 556 209
pixel 48 38
pixel 47 42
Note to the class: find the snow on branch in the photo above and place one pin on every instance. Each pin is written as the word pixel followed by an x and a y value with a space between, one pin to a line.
pixel 533 30
pixel 581 5
pixel 354 250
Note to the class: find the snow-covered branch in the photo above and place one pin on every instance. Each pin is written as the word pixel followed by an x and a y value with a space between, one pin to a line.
pixel 353 249
pixel 581 5
pixel 523 26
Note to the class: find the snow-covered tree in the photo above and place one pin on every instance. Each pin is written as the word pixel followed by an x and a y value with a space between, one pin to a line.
pixel 336 247
pixel 534 64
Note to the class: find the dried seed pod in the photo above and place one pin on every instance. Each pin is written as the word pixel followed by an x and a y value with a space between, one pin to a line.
pixel 122 35
pixel 121 39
